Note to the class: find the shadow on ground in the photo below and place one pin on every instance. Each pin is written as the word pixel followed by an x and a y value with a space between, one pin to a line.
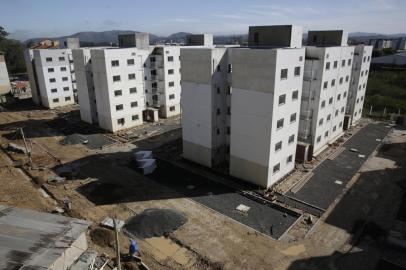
pixel 368 211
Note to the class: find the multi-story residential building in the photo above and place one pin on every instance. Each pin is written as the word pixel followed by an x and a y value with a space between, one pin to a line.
pixel 52 75
pixel 327 73
pixel 240 106
pixel 380 44
pixel 4 79
pixel 121 87
pixel 163 80
pixel 359 78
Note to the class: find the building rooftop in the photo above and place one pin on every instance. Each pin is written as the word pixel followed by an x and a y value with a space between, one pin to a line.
pixel 35 240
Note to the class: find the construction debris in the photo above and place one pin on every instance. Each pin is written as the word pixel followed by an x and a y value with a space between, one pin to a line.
pixel 109 223
pixel 154 223
pixel 16 148
pixel 55 179
pixel 145 161
pixel 242 208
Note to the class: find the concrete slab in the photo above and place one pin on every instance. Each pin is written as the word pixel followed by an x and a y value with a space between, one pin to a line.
pixel 35 240
pixel 263 218
pixel 321 189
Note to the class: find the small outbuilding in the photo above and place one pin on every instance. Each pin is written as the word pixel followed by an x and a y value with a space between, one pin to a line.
pixel 35 240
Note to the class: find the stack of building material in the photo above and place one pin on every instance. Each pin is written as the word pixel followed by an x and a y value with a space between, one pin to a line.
pixel 145 161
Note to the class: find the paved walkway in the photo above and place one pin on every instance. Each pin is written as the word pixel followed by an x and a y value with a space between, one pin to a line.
pixel 331 177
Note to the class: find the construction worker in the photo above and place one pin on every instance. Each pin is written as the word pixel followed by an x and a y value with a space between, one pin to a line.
pixel 134 249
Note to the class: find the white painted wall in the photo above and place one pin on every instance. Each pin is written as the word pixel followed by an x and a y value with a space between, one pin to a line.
pixel 257 85
pixel 324 125
pixel 359 79
pixel 63 78
pixel 4 79
pixel 103 73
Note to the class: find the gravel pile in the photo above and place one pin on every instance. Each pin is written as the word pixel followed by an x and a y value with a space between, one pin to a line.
pixel 154 223
pixel 92 141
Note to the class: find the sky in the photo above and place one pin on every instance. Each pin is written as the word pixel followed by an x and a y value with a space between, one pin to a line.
pixel 25 19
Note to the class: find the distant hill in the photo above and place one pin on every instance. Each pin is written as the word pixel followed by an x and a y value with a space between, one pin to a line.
pixel 108 37
pixel 96 38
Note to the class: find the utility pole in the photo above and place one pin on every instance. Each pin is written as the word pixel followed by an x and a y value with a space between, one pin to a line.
pixel 117 243
pixel 26 148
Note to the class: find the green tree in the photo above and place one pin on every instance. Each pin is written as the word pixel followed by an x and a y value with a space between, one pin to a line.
pixel 13 53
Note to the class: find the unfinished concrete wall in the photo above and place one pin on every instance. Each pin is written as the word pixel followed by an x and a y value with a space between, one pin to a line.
pixel 137 40
pixel 275 36
pixel 199 40
pixel 327 38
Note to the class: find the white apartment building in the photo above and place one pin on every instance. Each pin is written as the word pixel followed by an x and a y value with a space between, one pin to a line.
pixel 326 81
pixel 4 79
pixel 241 105
pixel 52 75
pixel 359 79
pixel 119 88
pixel 163 80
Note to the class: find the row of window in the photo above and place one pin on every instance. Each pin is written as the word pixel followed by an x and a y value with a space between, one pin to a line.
pixel 282 98
pixel 360 110
pixel 169 58
pixel 363 86
pixel 358 99
pixel 116 63
pixel 278 145
pixel 60 58
pixel 51 70
pixel 55 90
pixel 121 121
pixel 135 117
pixel 328 118
pixel 366 73
pixel 335 64
pixel 333 82
pixel 117 78
pixel 120 107
pixel 330 101
pixel 318 140
pixel 118 93
pixel 277 167
pixel 365 58
pixel 284 73
pixel 280 122
pixel 56 100
pixel 64 79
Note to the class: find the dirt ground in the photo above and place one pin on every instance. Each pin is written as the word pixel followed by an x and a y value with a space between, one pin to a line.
pixel 107 186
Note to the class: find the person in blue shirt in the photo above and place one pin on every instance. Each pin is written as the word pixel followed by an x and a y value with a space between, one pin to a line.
pixel 134 249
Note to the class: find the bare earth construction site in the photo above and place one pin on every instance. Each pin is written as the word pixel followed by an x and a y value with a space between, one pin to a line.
pixel 335 212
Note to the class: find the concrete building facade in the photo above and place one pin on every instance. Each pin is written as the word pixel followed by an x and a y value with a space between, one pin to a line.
pixel 119 88
pixel 359 79
pixel 4 78
pixel 240 106
pixel 327 74
pixel 52 76
pixel 199 40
